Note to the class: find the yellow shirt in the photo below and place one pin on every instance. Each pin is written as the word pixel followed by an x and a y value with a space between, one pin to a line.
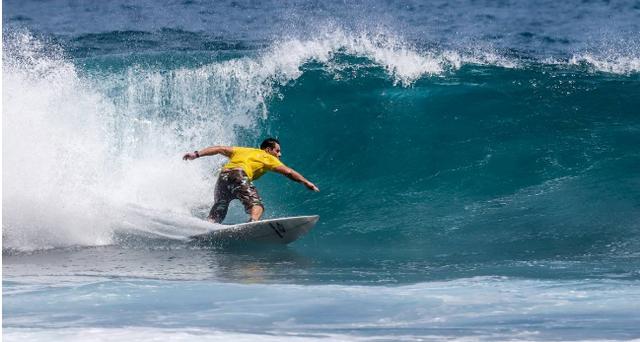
pixel 253 161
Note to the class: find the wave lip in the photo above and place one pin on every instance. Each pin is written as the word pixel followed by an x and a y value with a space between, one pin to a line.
pixel 402 61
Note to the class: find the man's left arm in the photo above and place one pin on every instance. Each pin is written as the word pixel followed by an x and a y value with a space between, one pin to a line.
pixel 209 151
pixel 295 176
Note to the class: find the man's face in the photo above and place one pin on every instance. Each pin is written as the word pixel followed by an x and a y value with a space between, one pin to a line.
pixel 275 151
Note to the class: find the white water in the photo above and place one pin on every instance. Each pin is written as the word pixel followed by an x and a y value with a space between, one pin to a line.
pixel 73 157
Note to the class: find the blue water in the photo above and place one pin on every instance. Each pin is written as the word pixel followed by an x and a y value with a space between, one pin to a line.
pixel 477 161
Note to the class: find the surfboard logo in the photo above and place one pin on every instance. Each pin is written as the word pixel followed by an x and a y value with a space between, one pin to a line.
pixel 279 229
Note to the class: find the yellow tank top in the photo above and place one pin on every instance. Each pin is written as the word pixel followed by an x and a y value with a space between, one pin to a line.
pixel 255 162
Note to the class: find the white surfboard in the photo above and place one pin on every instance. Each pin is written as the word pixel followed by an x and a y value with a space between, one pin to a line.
pixel 280 231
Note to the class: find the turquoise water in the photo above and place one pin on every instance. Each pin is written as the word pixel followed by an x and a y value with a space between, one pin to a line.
pixel 477 164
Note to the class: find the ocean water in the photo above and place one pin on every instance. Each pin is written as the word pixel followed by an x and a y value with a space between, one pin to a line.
pixel 478 164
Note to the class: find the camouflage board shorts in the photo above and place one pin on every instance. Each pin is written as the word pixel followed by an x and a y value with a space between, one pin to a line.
pixel 233 184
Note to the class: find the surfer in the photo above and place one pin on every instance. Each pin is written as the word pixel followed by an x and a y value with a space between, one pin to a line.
pixel 236 178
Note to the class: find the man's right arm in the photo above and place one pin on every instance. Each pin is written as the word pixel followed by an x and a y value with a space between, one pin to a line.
pixel 209 151
pixel 295 176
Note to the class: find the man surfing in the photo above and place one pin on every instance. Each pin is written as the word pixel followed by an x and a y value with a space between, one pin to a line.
pixel 236 178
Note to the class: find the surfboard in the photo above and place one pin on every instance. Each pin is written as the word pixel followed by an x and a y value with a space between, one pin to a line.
pixel 277 231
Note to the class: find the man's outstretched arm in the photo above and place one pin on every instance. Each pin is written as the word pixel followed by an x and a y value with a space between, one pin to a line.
pixel 295 176
pixel 209 151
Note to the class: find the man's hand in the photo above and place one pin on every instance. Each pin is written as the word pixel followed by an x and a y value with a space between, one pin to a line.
pixel 190 156
pixel 311 186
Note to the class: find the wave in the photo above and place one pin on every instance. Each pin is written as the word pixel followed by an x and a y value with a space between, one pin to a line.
pixel 104 139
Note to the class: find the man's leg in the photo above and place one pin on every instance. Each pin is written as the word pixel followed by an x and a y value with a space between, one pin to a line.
pixel 222 198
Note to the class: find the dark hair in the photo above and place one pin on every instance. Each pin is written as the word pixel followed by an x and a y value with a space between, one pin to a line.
pixel 269 143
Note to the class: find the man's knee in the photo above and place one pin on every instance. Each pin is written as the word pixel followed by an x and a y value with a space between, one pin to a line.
pixel 254 208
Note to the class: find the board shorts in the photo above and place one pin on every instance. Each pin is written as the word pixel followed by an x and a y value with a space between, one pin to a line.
pixel 233 184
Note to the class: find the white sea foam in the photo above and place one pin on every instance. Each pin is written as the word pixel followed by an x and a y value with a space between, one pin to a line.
pixel 610 63
pixel 142 334
pixel 52 148
pixel 210 335
pixel 72 156
pixel 205 335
